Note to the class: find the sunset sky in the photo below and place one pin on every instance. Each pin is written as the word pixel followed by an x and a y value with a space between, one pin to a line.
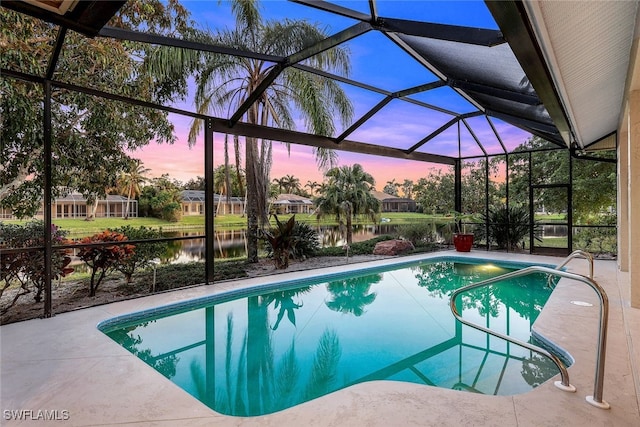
pixel 399 124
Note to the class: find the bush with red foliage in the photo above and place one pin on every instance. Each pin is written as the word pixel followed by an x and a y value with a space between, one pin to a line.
pixel 103 259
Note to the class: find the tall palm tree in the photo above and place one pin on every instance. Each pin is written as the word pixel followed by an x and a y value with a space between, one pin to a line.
pixel 226 81
pixel 348 193
pixel 312 185
pixel 292 184
pixel 407 188
pixel 130 180
pixel 280 182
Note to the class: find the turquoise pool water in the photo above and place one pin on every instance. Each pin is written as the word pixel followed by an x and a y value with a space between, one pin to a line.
pixel 262 351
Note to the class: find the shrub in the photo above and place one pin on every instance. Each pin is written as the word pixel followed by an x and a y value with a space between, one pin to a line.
pixel 144 253
pixel 302 240
pixel 103 259
pixel 359 248
pixel 507 227
pixel 308 242
pixel 26 268
pixel 418 233
pixel 281 240
pixel 598 241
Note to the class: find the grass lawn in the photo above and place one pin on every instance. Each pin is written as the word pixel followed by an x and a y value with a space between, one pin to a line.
pixel 229 222
pixel 80 226
pixel 238 221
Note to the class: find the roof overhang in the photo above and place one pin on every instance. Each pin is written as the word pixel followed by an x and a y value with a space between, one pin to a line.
pixel 577 56
pixel 86 17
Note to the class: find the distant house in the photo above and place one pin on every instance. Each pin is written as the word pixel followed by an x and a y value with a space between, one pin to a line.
pixel 391 203
pixel 74 205
pixel 193 203
pixel 292 204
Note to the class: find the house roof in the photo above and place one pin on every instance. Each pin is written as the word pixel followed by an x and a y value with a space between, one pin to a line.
pixel 198 196
pixel 385 197
pixel 291 199
pixel 193 196
pixel 79 198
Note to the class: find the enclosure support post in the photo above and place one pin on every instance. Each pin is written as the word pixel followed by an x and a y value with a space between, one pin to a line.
pixel 570 204
pixel 531 207
pixel 486 198
pixel 458 186
pixel 208 201
pixel 48 251
pixel 506 181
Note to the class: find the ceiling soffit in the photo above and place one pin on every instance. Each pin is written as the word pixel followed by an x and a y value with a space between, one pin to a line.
pixel 587 48
pixel 86 17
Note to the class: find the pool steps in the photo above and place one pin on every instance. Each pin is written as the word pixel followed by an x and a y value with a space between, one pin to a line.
pixel 564 384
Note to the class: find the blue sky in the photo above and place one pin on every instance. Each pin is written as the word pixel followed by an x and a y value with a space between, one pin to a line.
pixel 377 61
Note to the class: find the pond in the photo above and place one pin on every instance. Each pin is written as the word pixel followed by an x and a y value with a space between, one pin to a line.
pixel 233 243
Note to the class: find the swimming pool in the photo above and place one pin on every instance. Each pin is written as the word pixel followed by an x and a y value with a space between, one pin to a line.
pixel 256 352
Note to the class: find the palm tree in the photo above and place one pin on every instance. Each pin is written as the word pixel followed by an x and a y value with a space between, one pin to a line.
pixel 226 81
pixel 312 185
pixel 407 188
pixel 230 187
pixel 130 180
pixel 291 184
pixel 348 193
pixel 281 182
pixel 391 187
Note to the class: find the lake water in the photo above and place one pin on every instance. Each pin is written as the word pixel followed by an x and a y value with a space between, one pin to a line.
pixel 232 243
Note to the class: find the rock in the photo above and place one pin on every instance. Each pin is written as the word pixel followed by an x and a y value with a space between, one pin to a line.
pixel 392 247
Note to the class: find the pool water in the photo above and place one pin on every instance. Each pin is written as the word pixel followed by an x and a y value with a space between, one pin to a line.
pixel 267 351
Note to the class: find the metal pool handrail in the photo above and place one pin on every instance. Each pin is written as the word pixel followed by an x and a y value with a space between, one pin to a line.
pixel 578 254
pixel 564 384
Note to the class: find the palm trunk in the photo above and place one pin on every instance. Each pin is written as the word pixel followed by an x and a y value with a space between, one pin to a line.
pixel 227 178
pixel 236 147
pixel 349 214
pixel 252 200
pixel 126 212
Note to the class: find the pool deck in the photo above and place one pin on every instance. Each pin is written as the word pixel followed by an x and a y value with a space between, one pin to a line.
pixel 65 364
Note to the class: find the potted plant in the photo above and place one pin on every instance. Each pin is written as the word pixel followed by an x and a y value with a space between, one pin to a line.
pixel 462 240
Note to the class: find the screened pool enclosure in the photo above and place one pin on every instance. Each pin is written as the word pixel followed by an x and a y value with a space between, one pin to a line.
pixel 481 105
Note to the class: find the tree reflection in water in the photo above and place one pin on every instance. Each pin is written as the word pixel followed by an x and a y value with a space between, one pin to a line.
pixel 284 300
pixel 351 295
pixel 443 278
pixel 165 364
pixel 267 389
pixel 536 369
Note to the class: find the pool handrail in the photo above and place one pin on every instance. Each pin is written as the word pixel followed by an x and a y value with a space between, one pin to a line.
pixel 596 399
pixel 578 253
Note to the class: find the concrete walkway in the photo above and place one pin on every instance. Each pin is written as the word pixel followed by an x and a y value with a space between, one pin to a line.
pixel 65 366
